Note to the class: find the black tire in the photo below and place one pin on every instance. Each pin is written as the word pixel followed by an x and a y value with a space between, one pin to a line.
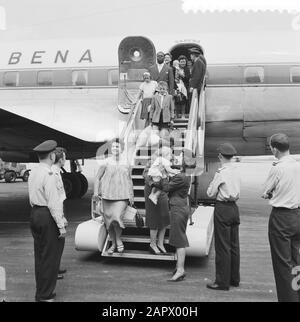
pixel 72 185
pixel 10 176
pixel 84 184
pixel 25 176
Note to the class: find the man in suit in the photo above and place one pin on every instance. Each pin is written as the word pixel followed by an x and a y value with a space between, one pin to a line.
pixel 161 72
pixel 198 70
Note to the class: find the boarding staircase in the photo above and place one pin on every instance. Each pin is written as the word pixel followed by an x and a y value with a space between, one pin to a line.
pixel 187 133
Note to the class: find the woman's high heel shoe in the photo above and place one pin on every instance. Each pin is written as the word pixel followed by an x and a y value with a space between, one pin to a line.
pixel 163 251
pixel 111 250
pixel 152 251
pixel 120 248
pixel 178 279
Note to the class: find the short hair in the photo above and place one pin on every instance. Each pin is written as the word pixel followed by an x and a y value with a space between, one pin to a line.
pixel 43 155
pixel 181 57
pixel 280 141
pixel 119 141
pixel 160 53
pixel 59 154
pixel 163 84
pixel 168 54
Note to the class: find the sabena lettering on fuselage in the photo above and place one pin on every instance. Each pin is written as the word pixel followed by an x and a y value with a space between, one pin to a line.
pixel 60 57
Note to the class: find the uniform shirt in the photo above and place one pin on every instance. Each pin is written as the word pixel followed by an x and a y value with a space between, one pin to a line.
pixel 226 184
pixel 43 191
pixel 59 183
pixel 283 183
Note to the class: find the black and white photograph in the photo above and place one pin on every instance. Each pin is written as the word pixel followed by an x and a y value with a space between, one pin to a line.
pixel 149 153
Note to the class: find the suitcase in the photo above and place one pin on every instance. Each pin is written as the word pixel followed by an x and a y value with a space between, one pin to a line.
pixel 91 235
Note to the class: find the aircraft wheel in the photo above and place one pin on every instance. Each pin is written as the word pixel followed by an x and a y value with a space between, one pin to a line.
pixel 84 184
pixel 25 176
pixel 10 176
pixel 72 185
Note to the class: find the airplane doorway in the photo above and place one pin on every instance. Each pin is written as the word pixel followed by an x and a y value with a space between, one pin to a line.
pixel 183 49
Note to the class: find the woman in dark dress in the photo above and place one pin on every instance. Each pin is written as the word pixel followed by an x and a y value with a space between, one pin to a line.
pixel 178 188
pixel 157 216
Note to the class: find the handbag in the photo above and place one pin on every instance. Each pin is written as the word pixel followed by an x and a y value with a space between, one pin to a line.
pixel 132 215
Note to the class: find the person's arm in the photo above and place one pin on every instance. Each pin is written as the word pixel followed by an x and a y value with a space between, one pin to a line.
pixel 172 109
pixel 171 81
pixel 98 177
pixel 175 183
pixel 198 75
pixel 131 193
pixel 54 203
pixel 213 187
pixel 270 183
pixel 152 108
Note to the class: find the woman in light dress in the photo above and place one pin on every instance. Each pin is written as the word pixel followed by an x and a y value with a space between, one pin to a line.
pixel 113 184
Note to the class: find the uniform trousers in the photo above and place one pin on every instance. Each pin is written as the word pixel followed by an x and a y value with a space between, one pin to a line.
pixel 227 245
pixel 284 238
pixel 47 251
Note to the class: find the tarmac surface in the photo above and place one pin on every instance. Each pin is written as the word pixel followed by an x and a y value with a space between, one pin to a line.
pixel 91 278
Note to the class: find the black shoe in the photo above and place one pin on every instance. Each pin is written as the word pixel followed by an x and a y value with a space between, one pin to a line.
pixel 178 279
pixel 152 251
pixel 235 284
pixel 62 271
pixel 49 299
pixel 60 277
pixel 216 287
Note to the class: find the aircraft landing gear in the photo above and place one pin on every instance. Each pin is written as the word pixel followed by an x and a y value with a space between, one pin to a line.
pixel 75 183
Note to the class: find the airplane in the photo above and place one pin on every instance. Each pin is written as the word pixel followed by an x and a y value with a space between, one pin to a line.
pixel 82 94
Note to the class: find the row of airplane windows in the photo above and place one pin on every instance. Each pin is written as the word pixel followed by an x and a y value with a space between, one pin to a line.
pixel 217 75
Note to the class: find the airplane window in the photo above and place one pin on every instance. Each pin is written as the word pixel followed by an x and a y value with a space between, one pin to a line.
pixel 295 74
pixel 79 77
pixel 98 77
pixel 11 79
pixel 62 77
pixel 223 75
pixel 45 78
pixel 28 78
pixel 254 75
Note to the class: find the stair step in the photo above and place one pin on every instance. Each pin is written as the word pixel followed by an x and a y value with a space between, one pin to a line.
pixel 139 199
pixel 138 239
pixel 138 188
pixel 140 254
pixel 137 176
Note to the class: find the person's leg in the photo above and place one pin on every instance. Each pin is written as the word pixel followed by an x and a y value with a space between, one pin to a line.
pixel 118 232
pixel 235 256
pixel 222 250
pixel 49 256
pixel 112 236
pixel 281 253
pixel 182 109
pixel 153 240
pixel 180 272
pixel 161 238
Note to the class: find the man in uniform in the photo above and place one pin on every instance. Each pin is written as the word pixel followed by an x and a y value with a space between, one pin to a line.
pixel 282 187
pixel 226 188
pixel 198 70
pixel 59 163
pixel 46 222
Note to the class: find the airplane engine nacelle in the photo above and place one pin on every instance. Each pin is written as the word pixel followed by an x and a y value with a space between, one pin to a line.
pixel 136 55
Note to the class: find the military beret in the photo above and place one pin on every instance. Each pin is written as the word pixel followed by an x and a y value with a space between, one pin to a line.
pixel 46 147
pixel 195 51
pixel 227 149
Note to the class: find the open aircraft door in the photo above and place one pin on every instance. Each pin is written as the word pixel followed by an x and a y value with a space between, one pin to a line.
pixel 136 55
